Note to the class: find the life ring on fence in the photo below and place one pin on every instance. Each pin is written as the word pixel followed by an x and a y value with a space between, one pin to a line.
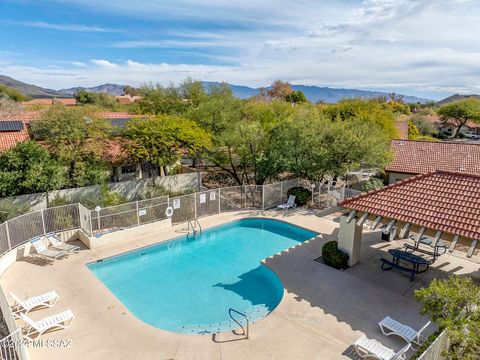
pixel 169 211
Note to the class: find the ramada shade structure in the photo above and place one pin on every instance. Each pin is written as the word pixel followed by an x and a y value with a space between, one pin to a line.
pixel 444 201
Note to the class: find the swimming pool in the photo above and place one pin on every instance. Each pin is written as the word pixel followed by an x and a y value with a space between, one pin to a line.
pixel 188 284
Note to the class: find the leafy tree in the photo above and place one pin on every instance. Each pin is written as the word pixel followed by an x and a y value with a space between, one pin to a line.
pixel 171 100
pixel 413 132
pixel 425 127
pixel 371 111
pixel 279 90
pixel 29 168
pixel 77 138
pixel 159 140
pixel 12 94
pixel 460 112
pixel 296 97
pixel 454 304
pixel 130 90
pixel 101 100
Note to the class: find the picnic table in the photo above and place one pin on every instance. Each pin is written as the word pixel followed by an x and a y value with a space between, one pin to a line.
pixel 439 249
pixel 400 255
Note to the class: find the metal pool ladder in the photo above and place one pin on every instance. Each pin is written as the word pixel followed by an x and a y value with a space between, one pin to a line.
pixel 194 226
pixel 244 330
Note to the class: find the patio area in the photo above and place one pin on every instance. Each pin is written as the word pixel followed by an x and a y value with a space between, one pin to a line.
pixel 322 313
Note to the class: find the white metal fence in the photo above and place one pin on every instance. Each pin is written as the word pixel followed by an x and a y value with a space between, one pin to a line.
pixel 11 347
pixel 23 228
pixel 435 350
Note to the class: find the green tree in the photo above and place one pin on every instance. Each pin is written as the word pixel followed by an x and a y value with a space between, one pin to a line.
pixel 29 168
pixel 101 100
pixel 378 114
pixel 413 132
pixel 160 140
pixel 77 138
pixel 460 112
pixel 454 304
pixel 171 100
pixel 296 97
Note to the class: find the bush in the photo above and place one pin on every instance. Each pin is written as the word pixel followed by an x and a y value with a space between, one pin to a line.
pixel 9 210
pixel 372 184
pixel 302 195
pixel 333 256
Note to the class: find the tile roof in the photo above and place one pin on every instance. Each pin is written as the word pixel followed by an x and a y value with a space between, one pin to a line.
pixel 419 157
pixel 66 101
pixel 51 101
pixel 441 200
pixel 8 139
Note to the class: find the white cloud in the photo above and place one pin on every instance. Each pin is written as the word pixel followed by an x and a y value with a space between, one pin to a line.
pixel 60 27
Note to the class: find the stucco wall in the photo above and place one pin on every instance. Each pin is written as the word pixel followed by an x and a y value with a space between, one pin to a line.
pixel 130 189
pixel 394 177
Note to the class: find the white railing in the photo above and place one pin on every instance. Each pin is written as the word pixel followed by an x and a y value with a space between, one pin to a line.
pixel 12 346
pixel 25 227
pixel 436 348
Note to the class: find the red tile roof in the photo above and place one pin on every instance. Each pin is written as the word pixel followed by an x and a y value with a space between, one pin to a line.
pixel 67 101
pixel 113 151
pixel 9 139
pixel 419 157
pixel 442 200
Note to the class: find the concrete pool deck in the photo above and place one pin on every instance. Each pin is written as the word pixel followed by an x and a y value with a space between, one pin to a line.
pixel 322 313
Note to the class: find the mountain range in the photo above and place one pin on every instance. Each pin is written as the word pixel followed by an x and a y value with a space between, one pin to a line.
pixel 313 93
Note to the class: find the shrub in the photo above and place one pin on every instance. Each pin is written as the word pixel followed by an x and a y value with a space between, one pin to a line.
pixel 372 184
pixel 302 195
pixel 9 210
pixel 333 256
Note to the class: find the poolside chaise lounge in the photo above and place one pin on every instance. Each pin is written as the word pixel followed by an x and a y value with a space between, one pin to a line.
pixel 25 306
pixel 41 249
pixel 372 349
pixel 290 204
pixel 391 326
pixel 60 245
pixel 58 321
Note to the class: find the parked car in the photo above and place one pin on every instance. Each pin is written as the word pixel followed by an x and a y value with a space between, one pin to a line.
pixel 470 135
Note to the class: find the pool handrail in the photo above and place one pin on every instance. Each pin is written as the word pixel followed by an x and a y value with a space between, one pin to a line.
pixel 245 331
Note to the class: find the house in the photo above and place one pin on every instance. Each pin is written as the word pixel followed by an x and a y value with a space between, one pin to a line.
pixel 411 157
pixel 14 129
pixel 450 128
pixel 127 99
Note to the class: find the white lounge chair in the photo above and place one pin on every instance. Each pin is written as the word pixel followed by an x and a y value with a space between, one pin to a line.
pixel 372 349
pixel 41 249
pixel 60 245
pixel 25 306
pixel 290 204
pixel 58 321
pixel 391 326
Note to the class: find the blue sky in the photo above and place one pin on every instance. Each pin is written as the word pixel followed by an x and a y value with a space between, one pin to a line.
pixel 418 47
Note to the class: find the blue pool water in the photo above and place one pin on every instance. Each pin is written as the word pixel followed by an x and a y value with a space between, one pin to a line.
pixel 187 285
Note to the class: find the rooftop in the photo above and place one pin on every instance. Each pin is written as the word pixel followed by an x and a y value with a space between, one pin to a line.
pixel 442 200
pixel 420 157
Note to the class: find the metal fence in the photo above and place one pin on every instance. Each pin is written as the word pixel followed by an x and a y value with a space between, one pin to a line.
pixel 124 216
pixel 23 228
pixel 436 349
pixel 12 346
